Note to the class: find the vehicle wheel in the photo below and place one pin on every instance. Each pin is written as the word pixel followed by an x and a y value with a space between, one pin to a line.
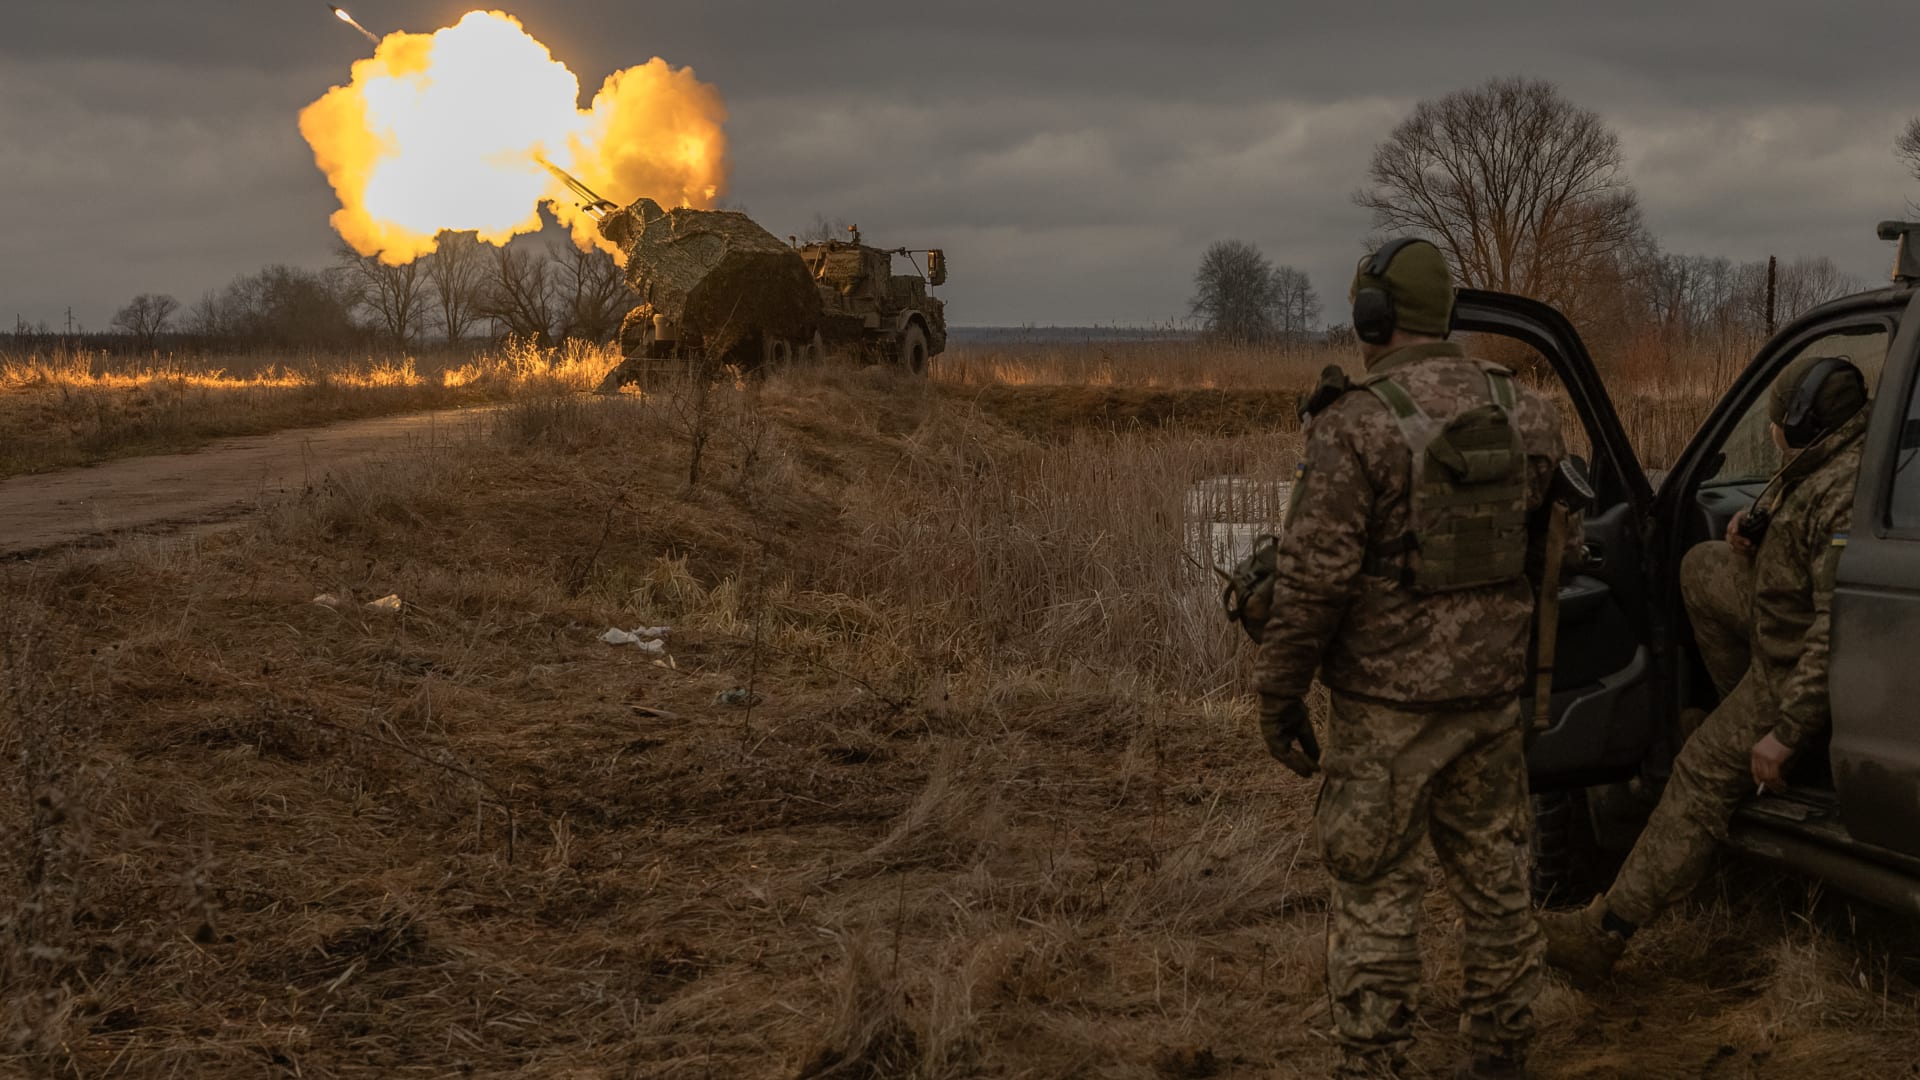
pixel 775 352
pixel 1616 814
pixel 636 352
pixel 636 335
pixel 1554 822
pixel 623 373
pixel 814 351
pixel 912 357
pixel 1580 836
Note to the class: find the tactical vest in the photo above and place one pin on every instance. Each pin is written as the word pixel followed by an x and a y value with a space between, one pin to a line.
pixel 1467 495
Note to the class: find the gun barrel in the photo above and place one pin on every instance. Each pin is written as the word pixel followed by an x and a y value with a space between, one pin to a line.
pixel 590 200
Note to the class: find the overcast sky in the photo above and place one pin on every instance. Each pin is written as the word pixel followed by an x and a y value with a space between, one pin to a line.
pixel 1073 157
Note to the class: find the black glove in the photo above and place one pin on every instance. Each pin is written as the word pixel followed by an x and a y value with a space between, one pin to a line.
pixel 1289 734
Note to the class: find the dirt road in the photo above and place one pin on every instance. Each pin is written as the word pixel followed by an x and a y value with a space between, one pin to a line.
pixel 217 483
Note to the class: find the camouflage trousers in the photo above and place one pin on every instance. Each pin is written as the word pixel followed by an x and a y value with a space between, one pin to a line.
pixel 1713 771
pixel 1717 584
pixel 1394 778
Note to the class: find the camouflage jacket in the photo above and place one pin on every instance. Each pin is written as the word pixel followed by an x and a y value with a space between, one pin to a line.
pixel 1370 636
pixel 1793 574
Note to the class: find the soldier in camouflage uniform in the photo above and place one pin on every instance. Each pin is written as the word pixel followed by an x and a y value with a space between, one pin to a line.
pixel 1760 620
pixel 1424 739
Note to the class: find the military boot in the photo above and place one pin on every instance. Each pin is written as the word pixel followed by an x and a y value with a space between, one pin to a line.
pixel 1482 1066
pixel 1579 942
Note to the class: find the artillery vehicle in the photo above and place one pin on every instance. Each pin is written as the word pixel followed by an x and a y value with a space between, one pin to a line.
pixel 716 289
pixel 869 310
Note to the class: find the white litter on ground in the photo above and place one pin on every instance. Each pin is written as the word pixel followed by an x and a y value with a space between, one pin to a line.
pixel 648 639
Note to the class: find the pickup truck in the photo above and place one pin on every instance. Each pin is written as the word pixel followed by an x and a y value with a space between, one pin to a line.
pixel 1629 670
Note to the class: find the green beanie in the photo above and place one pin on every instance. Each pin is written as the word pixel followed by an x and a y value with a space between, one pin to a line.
pixel 1842 392
pixel 1421 287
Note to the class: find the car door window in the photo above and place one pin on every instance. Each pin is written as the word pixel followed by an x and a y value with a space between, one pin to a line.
pixel 1903 507
pixel 1749 455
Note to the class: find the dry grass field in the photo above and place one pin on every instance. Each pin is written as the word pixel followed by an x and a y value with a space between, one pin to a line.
pixel 67 409
pixel 944 771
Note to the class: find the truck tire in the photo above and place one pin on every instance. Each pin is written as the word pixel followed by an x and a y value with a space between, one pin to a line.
pixel 1555 819
pixel 775 353
pixel 636 336
pixel 912 357
pixel 1580 836
pixel 637 350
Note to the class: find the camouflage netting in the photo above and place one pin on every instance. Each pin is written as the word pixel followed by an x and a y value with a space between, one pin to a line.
pixel 718 273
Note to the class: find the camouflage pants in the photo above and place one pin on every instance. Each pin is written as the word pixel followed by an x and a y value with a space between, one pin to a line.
pixel 1713 771
pixel 1717 584
pixel 1394 778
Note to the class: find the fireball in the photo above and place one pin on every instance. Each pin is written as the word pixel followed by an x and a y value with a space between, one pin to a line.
pixel 447 131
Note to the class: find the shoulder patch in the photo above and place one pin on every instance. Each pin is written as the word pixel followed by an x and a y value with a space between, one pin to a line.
pixel 1839 540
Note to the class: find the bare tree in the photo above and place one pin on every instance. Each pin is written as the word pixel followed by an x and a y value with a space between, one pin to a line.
pixel 1908 146
pixel 1233 291
pixel 145 317
pixel 1241 296
pixel 1701 299
pixel 1688 296
pixel 396 296
pixel 457 276
pixel 281 307
pixel 206 319
pixel 520 292
pixel 1521 188
pixel 1295 305
pixel 1809 281
pixel 592 293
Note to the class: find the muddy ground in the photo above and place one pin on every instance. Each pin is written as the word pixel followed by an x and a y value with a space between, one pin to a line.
pixel 942 773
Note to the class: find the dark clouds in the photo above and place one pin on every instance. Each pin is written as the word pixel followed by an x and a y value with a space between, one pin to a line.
pixel 1074 157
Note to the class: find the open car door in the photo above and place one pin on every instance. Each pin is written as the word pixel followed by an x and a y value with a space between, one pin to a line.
pixel 1850 808
pixel 1607 708
pixel 1874 684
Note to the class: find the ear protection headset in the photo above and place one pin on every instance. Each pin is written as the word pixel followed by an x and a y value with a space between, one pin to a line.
pixel 1374 316
pixel 1800 425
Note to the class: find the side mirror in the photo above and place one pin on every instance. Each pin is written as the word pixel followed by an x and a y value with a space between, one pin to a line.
pixel 936 267
pixel 1906 254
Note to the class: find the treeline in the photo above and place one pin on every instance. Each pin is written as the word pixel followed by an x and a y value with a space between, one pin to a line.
pixel 466 292
pixel 1660 306
pixel 1527 194
pixel 1241 297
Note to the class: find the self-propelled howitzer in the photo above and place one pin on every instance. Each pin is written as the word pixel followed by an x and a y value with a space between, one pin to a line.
pixel 715 288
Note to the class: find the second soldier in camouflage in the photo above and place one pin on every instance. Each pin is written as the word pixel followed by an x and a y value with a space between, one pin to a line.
pixel 1400 579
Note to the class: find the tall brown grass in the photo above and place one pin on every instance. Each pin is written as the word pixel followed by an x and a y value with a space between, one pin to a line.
pixel 66 408
pixel 1168 363
pixel 1662 395
pixel 991 804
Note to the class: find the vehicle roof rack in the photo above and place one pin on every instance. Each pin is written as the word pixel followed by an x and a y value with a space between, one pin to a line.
pixel 1906 257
